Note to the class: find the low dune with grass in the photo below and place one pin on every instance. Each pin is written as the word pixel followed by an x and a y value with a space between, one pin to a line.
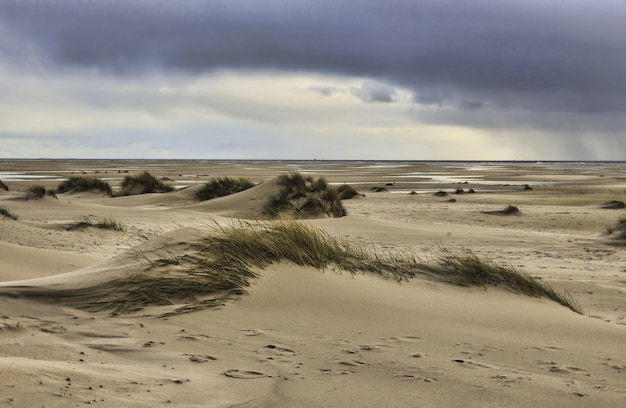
pixel 300 291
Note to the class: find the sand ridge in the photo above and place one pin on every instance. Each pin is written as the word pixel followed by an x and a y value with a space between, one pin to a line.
pixel 304 337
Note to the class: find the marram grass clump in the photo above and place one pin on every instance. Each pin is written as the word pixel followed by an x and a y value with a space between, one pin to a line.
pixel 5 212
pixel 220 187
pixel 469 269
pixel 143 183
pixel 84 183
pixel 222 265
pixel 304 197
pixel 105 224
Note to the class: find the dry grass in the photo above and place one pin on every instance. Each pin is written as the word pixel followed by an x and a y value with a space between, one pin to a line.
pixel 305 197
pixel 84 183
pixel 142 184
pixel 222 187
pixel 469 269
pixel 5 212
pixel 105 224
pixel 222 265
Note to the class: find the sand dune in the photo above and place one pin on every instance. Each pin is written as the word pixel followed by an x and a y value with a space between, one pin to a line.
pixel 317 338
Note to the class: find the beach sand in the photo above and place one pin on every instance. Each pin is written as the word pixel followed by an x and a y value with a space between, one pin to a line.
pixel 303 337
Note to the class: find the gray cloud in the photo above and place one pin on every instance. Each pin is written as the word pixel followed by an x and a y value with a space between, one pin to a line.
pixel 529 55
pixel 372 91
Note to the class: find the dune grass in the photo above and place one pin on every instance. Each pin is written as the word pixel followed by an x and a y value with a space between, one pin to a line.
pixel 84 183
pixel 304 197
pixel 35 192
pixel 222 265
pixel 142 184
pixel 620 227
pixel 105 224
pixel 3 186
pixel 222 187
pixel 5 212
pixel 469 269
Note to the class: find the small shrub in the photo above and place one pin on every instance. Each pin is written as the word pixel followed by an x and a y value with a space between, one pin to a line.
pixel 223 187
pixel 3 186
pixel 142 184
pixel 84 183
pixel 440 193
pixel 4 211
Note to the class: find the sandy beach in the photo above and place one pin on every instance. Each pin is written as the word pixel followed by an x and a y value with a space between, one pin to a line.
pixel 304 337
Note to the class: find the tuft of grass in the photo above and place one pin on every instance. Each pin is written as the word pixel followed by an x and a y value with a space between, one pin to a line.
pixel 305 197
pixel 142 184
pixel 35 192
pixel 620 227
pixel 3 186
pixel 105 223
pixel 222 187
pixel 84 183
pixel 469 269
pixel 4 211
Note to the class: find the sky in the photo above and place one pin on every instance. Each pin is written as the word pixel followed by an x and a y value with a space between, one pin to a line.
pixel 313 79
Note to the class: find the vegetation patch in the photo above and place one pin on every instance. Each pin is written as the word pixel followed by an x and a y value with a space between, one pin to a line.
pixel 304 197
pixel 4 211
pixel 221 267
pixel 617 231
pixel 222 187
pixel 142 184
pixel 3 186
pixel 84 183
pixel 613 205
pixel 105 224
pixel 469 269
pixel 35 192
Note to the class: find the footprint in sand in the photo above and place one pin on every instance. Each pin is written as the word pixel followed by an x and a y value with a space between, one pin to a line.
pixel 245 374
pixel 399 339
pixel 252 332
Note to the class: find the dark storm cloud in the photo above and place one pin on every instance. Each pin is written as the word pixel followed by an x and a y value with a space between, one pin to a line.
pixel 559 56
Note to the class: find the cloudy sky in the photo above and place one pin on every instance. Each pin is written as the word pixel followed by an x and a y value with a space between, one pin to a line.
pixel 304 79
